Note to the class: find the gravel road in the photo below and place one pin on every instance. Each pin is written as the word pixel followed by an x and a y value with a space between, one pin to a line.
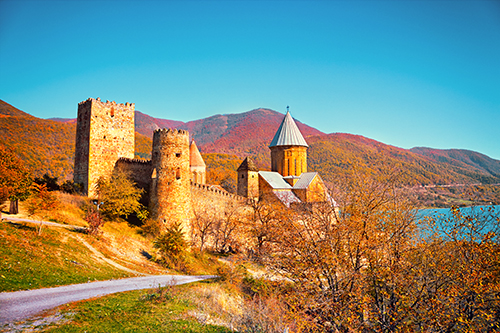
pixel 20 305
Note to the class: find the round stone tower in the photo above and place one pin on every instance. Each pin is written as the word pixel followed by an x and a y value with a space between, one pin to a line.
pixel 171 178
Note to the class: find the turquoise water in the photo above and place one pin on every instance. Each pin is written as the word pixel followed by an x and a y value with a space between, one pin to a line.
pixel 464 210
pixel 471 223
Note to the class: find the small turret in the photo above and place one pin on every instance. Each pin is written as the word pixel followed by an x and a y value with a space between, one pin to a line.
pixel 248 179
pixel 197 165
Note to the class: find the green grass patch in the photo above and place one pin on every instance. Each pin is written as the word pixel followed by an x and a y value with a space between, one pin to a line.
pixel 54 258
pixel 155 310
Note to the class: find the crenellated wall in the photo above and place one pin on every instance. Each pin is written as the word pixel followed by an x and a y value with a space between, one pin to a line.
pixel 105 141
pixel 203 189
pixel 139 170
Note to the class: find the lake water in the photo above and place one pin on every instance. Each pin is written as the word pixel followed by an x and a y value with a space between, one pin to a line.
pixel 473 221
pixel 446 212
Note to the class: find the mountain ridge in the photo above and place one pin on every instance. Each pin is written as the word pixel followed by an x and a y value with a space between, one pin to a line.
pixel 237 135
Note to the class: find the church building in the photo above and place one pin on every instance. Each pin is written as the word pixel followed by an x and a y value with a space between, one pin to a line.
pixel 288 181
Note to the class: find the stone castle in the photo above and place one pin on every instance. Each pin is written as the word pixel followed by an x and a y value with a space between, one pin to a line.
pixel 176 174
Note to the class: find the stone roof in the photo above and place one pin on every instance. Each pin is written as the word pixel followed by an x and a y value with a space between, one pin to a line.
pixel 305 180
pixel 247 165
pixel 275 180
pixel 288 134
pixel 195 158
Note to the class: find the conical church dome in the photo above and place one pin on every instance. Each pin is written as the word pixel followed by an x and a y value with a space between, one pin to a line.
pixel 288 134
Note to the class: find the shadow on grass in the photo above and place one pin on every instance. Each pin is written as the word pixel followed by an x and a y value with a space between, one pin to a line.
pixel 146 254
pixel 24 225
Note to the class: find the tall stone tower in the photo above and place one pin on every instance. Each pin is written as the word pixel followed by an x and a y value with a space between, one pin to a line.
pixel 104 133
pixel 197 165
pixel 248 179
pixel 288 149
pixel 170 198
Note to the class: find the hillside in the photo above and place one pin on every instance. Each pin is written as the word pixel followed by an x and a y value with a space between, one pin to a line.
pixel 228 133
pixel 47 146
pixel 331 154
pixel 461 158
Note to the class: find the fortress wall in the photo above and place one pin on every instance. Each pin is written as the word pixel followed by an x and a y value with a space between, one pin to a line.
pixel 202 194
pixel 139 170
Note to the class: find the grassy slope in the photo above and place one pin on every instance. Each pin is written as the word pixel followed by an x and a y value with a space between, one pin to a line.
pixel 137 311
pixel 54 258
pixel 58 256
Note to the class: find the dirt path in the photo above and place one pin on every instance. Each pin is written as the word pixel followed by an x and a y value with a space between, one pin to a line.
pixel 44 223
pixel 98 254
pixel 103 258
pixel 21 305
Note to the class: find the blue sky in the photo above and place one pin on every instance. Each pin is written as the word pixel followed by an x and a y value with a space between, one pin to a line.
pixel 406 73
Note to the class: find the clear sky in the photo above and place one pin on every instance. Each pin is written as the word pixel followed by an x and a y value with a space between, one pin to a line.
pixel 406 73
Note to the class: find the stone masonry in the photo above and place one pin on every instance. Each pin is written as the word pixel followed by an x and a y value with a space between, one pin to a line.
pixel 105 133
pixel 170 199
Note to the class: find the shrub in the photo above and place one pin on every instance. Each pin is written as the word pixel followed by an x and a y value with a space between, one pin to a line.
pixel 95 222
pixel 151 227
pixel 172 247
pixel 119 195
pixel 71 187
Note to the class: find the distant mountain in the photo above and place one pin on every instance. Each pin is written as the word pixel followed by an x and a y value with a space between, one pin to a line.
pixel 240 134
pixel 461 158
pixel 146 125
pixel 64 120
pixel 331 154
pixel 48 146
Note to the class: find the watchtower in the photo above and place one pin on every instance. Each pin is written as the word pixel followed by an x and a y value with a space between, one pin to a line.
pixel 104 133
pixel 170 199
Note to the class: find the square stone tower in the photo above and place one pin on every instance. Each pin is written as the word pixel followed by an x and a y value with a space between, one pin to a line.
pixel 105 132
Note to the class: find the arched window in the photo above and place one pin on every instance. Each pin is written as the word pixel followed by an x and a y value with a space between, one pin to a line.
pixel 178 174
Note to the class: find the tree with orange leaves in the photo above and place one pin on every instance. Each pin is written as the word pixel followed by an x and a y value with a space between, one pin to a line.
pixel 15 180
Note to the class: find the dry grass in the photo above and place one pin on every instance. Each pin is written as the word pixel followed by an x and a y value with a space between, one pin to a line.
pixel 214 304
pixel 71 209
pixel 124 244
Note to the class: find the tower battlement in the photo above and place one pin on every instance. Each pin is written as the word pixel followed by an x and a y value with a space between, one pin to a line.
pixel 171 133
pixel 107 103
